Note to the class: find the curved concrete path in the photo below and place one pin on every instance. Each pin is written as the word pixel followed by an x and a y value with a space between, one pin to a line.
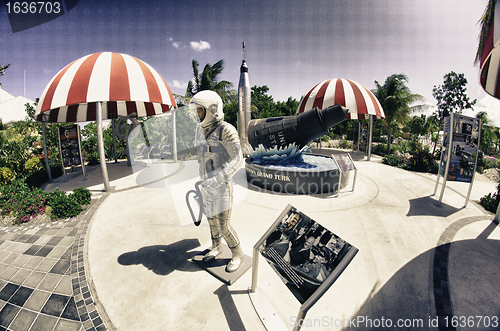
pixel 416 261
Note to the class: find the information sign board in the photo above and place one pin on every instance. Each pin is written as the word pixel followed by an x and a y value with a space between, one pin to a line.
pixel 302 252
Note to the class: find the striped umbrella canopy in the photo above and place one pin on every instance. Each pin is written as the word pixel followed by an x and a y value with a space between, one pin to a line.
pixel 123 83
pixel 358 99
pixel 489 75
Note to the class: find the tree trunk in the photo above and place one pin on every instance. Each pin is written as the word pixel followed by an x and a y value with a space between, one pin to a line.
pixel 389 140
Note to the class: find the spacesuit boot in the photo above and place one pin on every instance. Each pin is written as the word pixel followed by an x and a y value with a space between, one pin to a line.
pixel 235 262
pixel 215 250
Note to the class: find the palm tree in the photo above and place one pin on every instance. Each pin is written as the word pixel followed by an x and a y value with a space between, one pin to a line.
pixel 395 98
pixel 207 80
pixel 485 23
pixel 2 70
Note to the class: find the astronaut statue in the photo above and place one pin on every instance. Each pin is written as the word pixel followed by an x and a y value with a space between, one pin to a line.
pixel 219 158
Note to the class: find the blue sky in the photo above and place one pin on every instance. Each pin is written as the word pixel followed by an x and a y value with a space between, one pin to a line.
pixel 291 45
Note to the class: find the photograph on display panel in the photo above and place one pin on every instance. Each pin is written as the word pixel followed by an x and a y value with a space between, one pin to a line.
pixel 302 252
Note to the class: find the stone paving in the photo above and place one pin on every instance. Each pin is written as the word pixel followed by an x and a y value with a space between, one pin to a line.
pixel 43 284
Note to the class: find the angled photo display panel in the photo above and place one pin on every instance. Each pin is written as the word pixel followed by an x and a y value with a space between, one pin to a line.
pixel 464 148
pixel 302 252
pixel 344 162
pixel 70 145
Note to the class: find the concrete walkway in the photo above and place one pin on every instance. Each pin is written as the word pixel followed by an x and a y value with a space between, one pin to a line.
pixel 130 269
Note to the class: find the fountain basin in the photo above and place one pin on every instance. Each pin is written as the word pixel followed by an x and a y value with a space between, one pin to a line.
pixel 317 174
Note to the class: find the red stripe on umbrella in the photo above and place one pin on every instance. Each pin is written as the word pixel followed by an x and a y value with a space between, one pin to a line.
pixel 318 101
pixel 153 90
pixel 360 100
pixel 51 88
pixel 119 88
pixel 302 105
pixel 78 89
pixel 375 102
pixel 339 93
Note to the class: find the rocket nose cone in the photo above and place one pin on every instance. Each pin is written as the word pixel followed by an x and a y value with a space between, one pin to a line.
pixel 244 67
pixel 334 115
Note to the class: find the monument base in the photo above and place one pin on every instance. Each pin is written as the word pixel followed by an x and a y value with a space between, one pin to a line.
pixel 218 266
pixel 289 180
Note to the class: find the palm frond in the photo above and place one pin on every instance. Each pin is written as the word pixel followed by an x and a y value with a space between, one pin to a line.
pixel 485 23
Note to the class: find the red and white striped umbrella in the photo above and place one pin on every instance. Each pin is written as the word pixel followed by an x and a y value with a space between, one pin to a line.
pixel 358 99
pixel 489 75
pixel 122 82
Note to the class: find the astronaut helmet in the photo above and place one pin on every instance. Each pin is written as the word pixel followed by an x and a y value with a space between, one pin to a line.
pixel 209 107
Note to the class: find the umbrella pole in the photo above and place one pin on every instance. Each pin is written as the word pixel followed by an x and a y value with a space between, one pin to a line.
pixel 174 135
pixel 47 165
pixel 370 138
pixel 114 139
pixel 100 145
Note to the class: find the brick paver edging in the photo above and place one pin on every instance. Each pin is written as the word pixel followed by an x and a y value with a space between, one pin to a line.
pixel 442 296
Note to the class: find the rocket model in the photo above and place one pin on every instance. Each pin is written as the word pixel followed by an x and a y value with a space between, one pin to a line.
pixel 244 109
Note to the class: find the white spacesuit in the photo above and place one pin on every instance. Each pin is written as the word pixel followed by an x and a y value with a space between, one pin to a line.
pixel 219 158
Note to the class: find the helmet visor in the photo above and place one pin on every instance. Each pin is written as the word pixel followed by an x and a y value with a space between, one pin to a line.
pixel 200 110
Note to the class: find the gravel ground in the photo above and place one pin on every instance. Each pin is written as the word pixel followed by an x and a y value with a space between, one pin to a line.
pixel 492 174
pixel 40 219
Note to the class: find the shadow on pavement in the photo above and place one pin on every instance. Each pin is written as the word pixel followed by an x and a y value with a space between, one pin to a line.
pixel 469 287
pixel 427 206
pixel 231 313
pixel 163 259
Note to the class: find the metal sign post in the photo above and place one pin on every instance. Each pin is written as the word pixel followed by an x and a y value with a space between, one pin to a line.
pixel 45 153
pixel 370 138
pixel 475 166
pixel 448 156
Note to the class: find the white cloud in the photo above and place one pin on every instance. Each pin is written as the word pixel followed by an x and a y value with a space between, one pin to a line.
pixel 179 84
pixel 177 44
pixel 490 105
pixel 200 45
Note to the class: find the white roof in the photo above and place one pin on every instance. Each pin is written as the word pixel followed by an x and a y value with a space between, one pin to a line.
pixel 12 109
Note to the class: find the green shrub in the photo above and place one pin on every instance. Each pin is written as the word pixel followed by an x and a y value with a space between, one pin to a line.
pixel 381 149
pixel 6 176
pixel 82 195
pixel 393 160
pixel 92 158
pixel 490 201
pixel 404 146
pixel 345 144
pixel 32 165
pixel 63 206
